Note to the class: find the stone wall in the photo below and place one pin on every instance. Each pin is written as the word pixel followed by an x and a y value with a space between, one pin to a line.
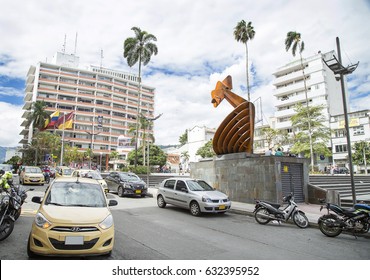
pixel 245 177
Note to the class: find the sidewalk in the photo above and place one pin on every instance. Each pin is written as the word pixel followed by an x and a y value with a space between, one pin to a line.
pixel 312 211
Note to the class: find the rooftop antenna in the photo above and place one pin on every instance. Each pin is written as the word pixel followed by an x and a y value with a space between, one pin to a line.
pixel 76 44
pixel 101 58
pixel 65 43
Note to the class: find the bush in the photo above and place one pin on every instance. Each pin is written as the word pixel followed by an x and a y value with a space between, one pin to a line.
pixel 138 170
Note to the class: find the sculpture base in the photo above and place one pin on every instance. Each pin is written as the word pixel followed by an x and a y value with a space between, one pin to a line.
pixel 246 177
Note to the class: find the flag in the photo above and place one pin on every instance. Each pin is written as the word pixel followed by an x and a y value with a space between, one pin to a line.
pixel 65 122
pixel 49 123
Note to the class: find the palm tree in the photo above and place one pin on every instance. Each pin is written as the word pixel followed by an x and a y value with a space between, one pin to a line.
pixel 293 40
pixel 243 33
pixel 39 115
pixel 139 49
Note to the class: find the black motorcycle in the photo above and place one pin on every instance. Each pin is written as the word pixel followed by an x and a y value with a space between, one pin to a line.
pixel 9 206
pixel 265 212
pixel 338 219
pixel 22 193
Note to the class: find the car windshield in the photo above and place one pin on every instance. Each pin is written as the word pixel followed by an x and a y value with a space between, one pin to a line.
pixel 67 171
pixel 91 174
pixel 126 177
pixel 199 186
pixel 133 177
pixel 33 170
pixel 76 194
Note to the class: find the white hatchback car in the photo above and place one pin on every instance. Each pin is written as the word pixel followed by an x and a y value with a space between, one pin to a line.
pixel 196 195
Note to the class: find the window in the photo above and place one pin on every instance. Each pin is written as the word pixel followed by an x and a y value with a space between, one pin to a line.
pixel 169 184
pixel 180 185
pixel 358 130
pixel 340 148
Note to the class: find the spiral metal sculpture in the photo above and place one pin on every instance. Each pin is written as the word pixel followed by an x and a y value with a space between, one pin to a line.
pixel 235 133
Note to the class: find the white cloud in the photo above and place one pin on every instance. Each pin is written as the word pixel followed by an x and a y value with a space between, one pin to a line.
pixel 10 116
pixel 195 38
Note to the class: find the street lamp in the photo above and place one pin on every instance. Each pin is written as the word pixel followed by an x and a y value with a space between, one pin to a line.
pixel 336 66
pixel 101 155
pixel 92 134
pixel 148 167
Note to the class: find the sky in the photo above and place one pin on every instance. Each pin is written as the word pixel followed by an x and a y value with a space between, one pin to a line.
pixel 196 48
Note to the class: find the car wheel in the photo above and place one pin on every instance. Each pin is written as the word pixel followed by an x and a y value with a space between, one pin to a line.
pixel 194 208
pixel 120 191
pixel 160 201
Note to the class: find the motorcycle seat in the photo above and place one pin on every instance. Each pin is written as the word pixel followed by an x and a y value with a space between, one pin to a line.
pixel 275 205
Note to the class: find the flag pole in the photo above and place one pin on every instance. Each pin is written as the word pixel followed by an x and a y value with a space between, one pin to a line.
pixel 61 152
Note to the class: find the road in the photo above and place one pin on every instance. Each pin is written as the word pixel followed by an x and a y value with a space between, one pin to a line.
pixel 147 232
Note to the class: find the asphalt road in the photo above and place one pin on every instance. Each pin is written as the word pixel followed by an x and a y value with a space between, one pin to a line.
pixel 146 232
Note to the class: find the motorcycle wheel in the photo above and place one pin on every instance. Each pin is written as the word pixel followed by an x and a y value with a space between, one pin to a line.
pixel 300 219
pixel 259 218
pixel 325 228
pixel 6 228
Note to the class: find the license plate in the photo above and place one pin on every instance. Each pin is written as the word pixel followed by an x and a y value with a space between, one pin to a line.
pixel 74 240
pixel 138 191
pixel 221 207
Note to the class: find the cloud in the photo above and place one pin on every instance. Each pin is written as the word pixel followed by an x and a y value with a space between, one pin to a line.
pixel 195 42
pixel 11 120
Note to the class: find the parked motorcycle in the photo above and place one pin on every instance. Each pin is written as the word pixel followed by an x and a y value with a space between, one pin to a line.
pixel 265 212
pixel 23 195
pixel 338 219
pixel 9 205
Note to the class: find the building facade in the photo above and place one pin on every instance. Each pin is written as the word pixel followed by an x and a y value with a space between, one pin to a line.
pixel 359 130
pixel 322 89
pixel 104 101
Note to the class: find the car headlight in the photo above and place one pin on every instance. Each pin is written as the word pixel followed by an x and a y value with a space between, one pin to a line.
pixel 206 199
pixel 41 221
pixel 107 223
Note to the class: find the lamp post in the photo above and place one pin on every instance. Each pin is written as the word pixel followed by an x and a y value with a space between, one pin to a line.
pixel 336 66
pixel 148 167
pixel 101 155
pixel 92 134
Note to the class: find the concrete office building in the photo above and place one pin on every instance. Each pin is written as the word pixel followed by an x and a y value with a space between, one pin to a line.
pixel 104 103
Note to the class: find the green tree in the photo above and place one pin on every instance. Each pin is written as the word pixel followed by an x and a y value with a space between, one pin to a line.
pixel 156 156
pixel 183 139
pixel 39 115
pixel 244 32
pixel 206 150
pixel 293 41
pixel 72 154
pixel 139 49
pixel 320 133
pixel 43 143
pixel 361 154
pixel 270 135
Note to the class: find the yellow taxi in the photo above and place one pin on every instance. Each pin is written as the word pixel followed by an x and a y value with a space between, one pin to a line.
pixel 31 175
pixel 73 219
pixel 63 171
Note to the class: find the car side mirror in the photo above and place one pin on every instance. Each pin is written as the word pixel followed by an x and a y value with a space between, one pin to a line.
pixel 183 189
pixel 112 202
pixel 36 199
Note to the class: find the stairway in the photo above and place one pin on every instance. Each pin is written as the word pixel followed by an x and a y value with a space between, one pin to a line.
pixel 342 184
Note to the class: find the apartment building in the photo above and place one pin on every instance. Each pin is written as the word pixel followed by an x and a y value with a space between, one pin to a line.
pixel 359 130
pixel 322 89
pixel 104 102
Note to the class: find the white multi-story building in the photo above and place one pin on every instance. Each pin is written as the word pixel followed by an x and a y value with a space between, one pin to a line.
pixel 322 89
pixel 104 103
pixel 359 130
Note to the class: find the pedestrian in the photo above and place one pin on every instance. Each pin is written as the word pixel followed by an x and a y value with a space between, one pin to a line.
pixel 279 153
pixel 180 168
pixel 268 152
